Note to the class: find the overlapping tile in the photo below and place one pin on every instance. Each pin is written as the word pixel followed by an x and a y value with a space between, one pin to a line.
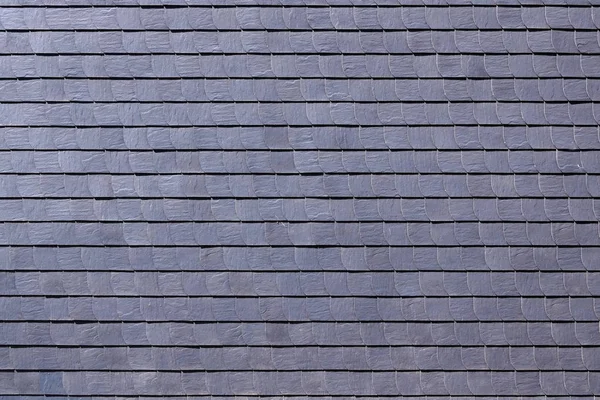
pixel 303 199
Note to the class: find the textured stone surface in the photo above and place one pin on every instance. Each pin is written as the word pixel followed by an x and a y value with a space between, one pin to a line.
pixel 300 199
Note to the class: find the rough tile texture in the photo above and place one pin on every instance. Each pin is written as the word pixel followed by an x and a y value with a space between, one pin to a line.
pixel 299 199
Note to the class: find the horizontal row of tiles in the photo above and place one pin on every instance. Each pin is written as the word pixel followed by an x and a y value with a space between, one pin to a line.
pixel 302 383
pixel 329 334
pixel 277 186
pixel 301 359
pixel 299 114
pixel 300 234
pixel 304 66
pixel 290 3
pixel 248 18
pixel 285 397
pixel 300 210
pixel 299 90
pixel 301 42
pixel 405 284
pixel 300 162
pixel 282 259
pixel 308 138
pixel 299 309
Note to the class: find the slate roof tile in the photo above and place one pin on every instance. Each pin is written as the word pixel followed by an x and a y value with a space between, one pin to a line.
pixel 477 232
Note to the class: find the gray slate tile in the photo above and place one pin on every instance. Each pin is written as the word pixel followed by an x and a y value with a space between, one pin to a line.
pixel 327 199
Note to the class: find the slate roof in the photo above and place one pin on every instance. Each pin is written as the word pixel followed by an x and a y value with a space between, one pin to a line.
pixel 299 199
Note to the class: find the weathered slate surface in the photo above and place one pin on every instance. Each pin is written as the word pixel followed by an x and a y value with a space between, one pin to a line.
pixel 268 199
